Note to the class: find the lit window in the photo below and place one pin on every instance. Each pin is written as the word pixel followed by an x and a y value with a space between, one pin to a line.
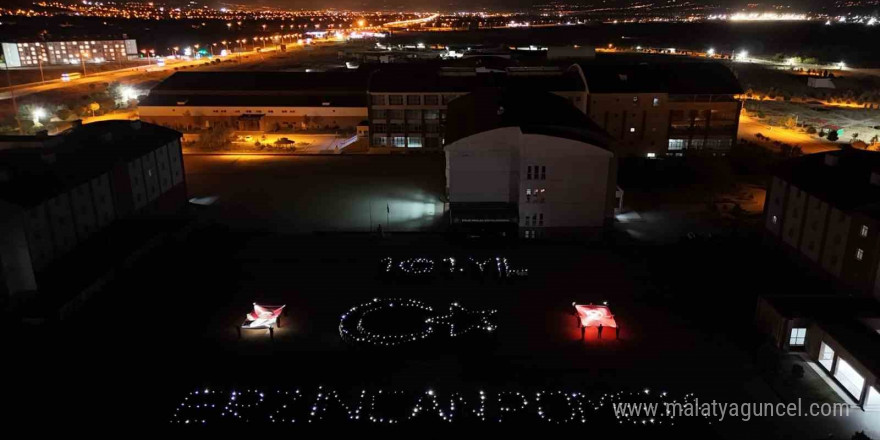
pixel 652 155
pixel 656 102
pixel 860 254
pixel 635 99
pixel 632 129
pixel 864 231
pixel 826 356
pixel 774 219
pixel 798 336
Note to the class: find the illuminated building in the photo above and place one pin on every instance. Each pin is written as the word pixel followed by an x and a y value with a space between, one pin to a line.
pixel 657 110
pixel 31 54
pixel 839 336
pixel 64 198
pixel 823 209
pixel 259 101
pixel 527 164
pixel 408 103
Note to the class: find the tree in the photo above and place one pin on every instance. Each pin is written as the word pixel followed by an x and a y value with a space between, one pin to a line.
pixel 215 137
pixel 94 106
pixel 832 135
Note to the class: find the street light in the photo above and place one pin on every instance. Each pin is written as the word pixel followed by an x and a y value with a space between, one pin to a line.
pixel 710 52
pixel 38 113
pixel 127 94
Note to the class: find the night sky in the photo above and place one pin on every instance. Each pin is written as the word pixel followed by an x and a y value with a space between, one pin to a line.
pixel 451 5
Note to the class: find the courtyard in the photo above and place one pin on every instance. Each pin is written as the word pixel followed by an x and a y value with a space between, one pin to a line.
pixel 166 328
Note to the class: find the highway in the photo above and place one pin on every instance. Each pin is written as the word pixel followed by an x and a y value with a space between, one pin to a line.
pixel 113 75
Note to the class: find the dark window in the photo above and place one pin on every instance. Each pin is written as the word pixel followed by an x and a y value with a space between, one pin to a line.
pixel 395 100
pixel 413 99
pixel 543 172
pixel 432 99
pixel 378 99
pixel 529 173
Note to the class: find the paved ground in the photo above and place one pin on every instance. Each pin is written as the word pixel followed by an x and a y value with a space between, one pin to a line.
pixel 327 193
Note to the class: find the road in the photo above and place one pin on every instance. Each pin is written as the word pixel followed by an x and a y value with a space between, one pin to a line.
pixel 170 64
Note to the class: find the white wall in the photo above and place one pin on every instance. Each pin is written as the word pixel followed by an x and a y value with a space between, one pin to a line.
pixel 835 241
pixel 491 167
pixel 775 202
pixel 576 185
pixel 816 212
pixel 479 168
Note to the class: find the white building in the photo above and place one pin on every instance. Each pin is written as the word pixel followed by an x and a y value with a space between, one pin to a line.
pixel 528 164
pixel 32 54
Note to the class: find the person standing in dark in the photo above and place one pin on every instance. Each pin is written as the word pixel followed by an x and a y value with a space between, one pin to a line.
pixel 600 331
pixel 583 332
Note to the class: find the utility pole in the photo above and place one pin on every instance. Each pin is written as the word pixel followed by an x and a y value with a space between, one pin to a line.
pixel 40 62
pixel 82 60
pixel 14 104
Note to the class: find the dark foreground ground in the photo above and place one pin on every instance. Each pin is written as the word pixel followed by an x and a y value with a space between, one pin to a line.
pixel 165 329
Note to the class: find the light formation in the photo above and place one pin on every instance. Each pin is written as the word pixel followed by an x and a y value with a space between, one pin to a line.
pixel 355 328
pixel 416 267
pixel 383 406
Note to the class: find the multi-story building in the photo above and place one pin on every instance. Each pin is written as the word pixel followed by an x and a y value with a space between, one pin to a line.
pixel 408 103
pixel 651 110
pixel 59 193
pixel 258 101
pixel 825 209
pixel 656 110
pixel 839 337
pixel 527 164
pixel 34 53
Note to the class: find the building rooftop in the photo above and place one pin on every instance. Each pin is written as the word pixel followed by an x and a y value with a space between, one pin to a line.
pixel 682 78
pixel 260 100
pixel 402 78
pixel 533 112
pixel 250 83
pixel 827 306
pixel 840 178
pixel 34 168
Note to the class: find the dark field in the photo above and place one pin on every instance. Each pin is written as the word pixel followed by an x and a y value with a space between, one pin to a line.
pixel 166 327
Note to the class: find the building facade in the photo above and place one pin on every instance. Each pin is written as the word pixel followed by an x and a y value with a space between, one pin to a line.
pixel 408 103
pixel 823 210
pixel 528 165
pixel 259 101
pixel 58 192
pixel 35 53
pixel 665 110
pixel 839 336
